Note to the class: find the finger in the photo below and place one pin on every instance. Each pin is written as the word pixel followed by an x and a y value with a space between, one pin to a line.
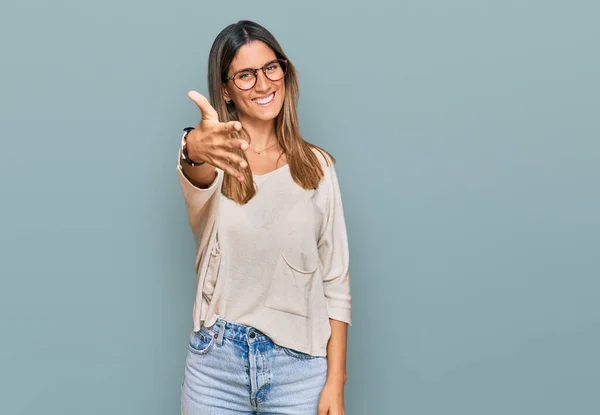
pixel 234 144
pixel 228 127
pixel 231 170
pixel 207 111
pixel 234 159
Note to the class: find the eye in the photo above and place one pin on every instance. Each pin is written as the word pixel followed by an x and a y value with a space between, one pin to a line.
pixel 244 75
pixel 272 67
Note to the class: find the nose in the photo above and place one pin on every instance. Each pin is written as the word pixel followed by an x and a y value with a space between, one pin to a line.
pixel 262 82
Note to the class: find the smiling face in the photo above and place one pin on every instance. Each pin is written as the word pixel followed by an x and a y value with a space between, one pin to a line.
pixel 265 100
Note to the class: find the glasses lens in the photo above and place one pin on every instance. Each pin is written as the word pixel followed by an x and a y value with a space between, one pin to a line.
pixel 245 80
pixel 275 70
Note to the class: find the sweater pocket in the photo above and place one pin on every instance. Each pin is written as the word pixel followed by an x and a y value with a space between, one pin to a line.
pixel 291 284
pixel 212 272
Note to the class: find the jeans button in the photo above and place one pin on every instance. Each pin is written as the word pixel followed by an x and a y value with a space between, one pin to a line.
pixel 252 335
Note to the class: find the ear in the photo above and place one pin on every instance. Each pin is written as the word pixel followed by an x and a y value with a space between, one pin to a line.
pixel 226 96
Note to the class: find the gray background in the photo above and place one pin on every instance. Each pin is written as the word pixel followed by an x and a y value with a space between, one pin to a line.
pixel 467 138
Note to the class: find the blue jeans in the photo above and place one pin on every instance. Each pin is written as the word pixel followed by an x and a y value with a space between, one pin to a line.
pixel 235 369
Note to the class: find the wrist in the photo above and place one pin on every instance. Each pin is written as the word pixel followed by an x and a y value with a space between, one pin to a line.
pixel 193 159
pixel 336 378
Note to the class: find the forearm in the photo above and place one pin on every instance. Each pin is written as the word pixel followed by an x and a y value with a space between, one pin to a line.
pixel 336 352
pixel 200 176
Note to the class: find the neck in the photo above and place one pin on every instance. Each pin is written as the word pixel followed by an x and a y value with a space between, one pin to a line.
pixel 262 132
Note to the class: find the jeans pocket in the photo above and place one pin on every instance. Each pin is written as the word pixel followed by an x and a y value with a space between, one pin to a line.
pixel 298 354
pixel 201 342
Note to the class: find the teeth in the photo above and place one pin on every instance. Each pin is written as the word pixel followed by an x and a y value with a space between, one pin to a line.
pixel 265 100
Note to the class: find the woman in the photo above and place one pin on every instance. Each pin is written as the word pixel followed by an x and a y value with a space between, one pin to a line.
pixel 273 291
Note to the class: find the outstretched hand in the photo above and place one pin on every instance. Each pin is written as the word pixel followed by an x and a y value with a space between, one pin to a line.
pixel 210 141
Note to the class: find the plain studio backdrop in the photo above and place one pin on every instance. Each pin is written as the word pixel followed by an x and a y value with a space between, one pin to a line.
pixel 466 134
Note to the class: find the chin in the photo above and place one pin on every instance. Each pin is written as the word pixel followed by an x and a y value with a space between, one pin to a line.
pixel 269 114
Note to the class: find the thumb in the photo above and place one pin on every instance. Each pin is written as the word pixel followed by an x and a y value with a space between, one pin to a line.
pixel 207 111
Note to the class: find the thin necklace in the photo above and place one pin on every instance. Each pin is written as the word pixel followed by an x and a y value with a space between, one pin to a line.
pixel 258 152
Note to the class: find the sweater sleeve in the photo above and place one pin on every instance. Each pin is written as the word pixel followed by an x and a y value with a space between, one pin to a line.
pixel 201 205
pixel 333 250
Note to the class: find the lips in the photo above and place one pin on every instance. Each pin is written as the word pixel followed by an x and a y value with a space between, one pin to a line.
pixel 265 100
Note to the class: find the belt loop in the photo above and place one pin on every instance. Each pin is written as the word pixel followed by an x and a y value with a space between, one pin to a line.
pixel 221 332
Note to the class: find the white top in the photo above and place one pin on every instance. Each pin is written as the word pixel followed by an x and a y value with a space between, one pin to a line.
pixel 278 263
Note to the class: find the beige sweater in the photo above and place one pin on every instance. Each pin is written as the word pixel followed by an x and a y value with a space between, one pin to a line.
pixel 279 263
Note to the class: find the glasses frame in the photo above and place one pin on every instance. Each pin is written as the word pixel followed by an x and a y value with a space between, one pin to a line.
pixel 255 70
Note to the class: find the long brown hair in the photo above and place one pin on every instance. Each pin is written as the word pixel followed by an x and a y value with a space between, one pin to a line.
pixel 304 165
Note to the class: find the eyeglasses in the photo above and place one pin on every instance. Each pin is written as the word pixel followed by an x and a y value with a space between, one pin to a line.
pixel 245 79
